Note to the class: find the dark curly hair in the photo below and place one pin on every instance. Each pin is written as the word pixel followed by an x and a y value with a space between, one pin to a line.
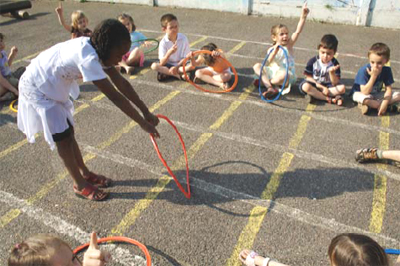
pixel 107 35
pixel 208 59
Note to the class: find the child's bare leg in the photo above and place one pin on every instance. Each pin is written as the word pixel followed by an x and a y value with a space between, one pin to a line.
pixel 372 103
pixel 264 78
pixel 313 92
pixel 78 156
pixel 159 68
pixel 66 150
pixel 207 76
pixel 337 90
pixel 124 65
pixel 392 155
pixel 2 90
pixel 279 78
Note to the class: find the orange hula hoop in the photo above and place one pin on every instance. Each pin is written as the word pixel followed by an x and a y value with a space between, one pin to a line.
pixel 119 239
pixel 187 194
pixel 203 89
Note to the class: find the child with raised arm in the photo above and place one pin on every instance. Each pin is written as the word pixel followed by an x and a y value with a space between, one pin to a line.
pixel 135 56
pixel 44 103
pixel 368 84
pixel 48 250
pixel 173 49
pixel 274 71
pixel 322 73
pixel 217 72
pixel 79 23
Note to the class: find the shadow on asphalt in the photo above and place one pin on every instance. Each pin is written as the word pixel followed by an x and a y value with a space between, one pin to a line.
pixel 31 17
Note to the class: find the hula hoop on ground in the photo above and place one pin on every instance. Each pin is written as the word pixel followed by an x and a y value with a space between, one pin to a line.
pixel 12 108
pixel 119 239
pixel 284 82
pixel 201 88
pixel 392 251
pixel 187 194
pixel 151 48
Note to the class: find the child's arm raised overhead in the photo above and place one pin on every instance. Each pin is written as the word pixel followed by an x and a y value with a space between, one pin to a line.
pixel 60 14
pixel 149 121
pixel 300 26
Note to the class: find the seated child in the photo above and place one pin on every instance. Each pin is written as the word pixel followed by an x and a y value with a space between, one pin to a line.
pixel 52 251
pixel 274 71
pixel 367 89
pixel 218 72
pixel 8 80
pixel 135 56
pixel 173 49
pixel 323 74
pixel 344 250
pixel 79 23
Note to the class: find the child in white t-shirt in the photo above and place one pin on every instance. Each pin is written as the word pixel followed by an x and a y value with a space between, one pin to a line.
pixel 44 103
pixel 173 49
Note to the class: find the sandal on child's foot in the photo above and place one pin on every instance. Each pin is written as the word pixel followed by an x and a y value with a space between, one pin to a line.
pixel 91 192
pixel 98 180
pixel 161 77
pixel 270 93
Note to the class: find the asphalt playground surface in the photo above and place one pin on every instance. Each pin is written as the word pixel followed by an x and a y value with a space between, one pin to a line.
pixel 277 178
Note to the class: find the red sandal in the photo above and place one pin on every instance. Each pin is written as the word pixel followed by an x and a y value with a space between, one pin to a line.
pixel 98 180
pixel 91 192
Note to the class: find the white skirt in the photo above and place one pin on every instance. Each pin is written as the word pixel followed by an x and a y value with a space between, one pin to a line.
pixel 37 113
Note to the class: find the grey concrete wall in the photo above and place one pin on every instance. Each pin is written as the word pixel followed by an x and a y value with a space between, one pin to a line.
pixel 376 13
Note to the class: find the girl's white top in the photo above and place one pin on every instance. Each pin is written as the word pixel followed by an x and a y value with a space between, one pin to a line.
pixel 47 83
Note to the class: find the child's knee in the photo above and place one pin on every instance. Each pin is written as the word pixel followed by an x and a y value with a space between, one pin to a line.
pixel 154 66
pixel 341 88
pixel 198 73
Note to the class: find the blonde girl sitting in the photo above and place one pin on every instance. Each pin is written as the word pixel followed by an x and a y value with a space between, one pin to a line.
pixel 217 72
pixel 275 70
pixel 135 56
pixel 79 23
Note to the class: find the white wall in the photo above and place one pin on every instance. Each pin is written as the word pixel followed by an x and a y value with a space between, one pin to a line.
pixel 376 13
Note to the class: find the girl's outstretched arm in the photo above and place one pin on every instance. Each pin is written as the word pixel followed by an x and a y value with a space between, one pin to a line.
pixel 300 25
pixel 60 14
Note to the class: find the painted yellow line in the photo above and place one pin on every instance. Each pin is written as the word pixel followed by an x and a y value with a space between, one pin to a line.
pixel 81 108
pixel 246 238
pixel 47 187
pixel 9 216
pixel 26 57
pixel 198 41
pixel 13 148
pixel 237 47
pixel 274 182
pixel 227 113
pixel 248 234
pixel 380 184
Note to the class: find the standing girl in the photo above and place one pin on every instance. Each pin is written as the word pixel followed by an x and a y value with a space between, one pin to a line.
pixel 218 72
pixel 135 56
pixel 275 70
pixel 79 22
pixel 44 103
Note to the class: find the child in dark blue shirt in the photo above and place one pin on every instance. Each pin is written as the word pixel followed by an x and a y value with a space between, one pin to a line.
pixel 367 89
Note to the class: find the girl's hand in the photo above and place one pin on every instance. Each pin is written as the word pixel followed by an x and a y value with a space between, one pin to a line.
pixel 94 256
pixel 276 48
pixel 152 119
pixel 151 129
pixel 59 9
pixel 305 10
pixel 14 50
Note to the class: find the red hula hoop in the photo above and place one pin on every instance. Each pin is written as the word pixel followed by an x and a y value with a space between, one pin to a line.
pixel 187 194
pixel 201 88
pixel 119 239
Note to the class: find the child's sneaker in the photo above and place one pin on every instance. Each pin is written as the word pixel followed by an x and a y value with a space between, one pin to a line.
pixel 364 108
pixel 367 155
